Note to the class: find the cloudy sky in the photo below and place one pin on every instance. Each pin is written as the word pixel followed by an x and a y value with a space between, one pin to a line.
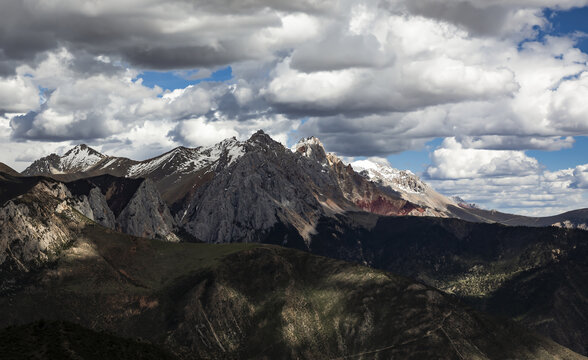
pixel 486 99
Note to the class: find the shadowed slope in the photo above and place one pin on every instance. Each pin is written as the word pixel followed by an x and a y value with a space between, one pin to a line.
pixel 535 275
pixel 250 301
pixel 8 170
pixel 62 340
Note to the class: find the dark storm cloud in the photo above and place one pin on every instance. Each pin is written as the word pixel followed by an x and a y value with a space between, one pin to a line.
pixel 479 20
pixel 240 6
pixel 139 35
pixel 180 57
pixel 88 128
pixel 336 52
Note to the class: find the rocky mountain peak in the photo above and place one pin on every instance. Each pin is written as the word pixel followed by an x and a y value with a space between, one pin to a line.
pixel 227 144
pixel 383 173
pixel 464 204
pixel 261 138
pixel 262 142
pixel 78 159
pixel 43 166
pixel 312 148
pixel 82 148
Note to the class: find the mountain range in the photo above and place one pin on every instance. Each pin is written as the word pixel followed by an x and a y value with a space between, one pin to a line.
pixel 244 301
pixel 185 177
pixel 68 221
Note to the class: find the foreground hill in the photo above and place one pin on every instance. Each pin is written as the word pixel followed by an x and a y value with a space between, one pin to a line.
pixel 250 301
pixel 53 254
pixel 32 209
pixel 537 276
pixel 63 340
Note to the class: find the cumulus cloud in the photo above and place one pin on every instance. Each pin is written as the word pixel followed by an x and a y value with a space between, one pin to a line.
pixel 503 142
pixel 86 108
pixel 18 94
pixel 452 161
pixel 580 177
pixel 405 72
pixel 508 181
pixel 368 78
pixel 568 107
pixel 171 35
pixel 419 72
pixel 199 132
pixel 542 194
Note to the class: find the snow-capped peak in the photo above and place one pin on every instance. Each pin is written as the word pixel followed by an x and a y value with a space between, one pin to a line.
pixel 382 172
pixel 186 160
pixel 80 158
pixel 308 142
pixel 312 148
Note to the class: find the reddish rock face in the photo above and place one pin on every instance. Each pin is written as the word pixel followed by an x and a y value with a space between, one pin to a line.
pixel 384 206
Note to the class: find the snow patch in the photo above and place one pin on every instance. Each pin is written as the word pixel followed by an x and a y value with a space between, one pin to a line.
pixel 185 161
pixel 400 180
pixel 80 158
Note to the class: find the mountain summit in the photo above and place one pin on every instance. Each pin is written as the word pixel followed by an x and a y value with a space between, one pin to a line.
pixel 258 185
pixel 79 159
pixel 257 190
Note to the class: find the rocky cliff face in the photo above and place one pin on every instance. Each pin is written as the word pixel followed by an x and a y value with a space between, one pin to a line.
pixel 40 216
pixel 95 207
pixel 183 175
pixel 361 190
pixel 132 206
pixel 271 190
pixel 36 226
pixel 266 187
pixel 146 215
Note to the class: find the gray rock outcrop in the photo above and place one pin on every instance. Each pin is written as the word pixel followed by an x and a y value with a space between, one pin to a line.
pixel 35 226
pixel 95 207
pixel 146 215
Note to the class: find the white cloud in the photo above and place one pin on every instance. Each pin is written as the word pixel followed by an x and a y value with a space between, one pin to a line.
pixel 508 181
pixel 452 161
pixel 568 107
pixel 368 78
pixel 501 142
pixel 580 177
pixel 18 94
pixel 200 132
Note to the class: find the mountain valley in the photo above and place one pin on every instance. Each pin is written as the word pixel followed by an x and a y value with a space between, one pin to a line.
pixel 256 301
pixel 180 250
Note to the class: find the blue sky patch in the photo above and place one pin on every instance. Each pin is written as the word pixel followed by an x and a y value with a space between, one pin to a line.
pixel 171 80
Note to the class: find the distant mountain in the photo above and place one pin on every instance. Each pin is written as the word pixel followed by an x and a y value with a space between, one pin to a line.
pixel 408 185
pixel 267 186
pixel 244 301
pixel 175 173
pixel 79 159
pixel 319 183
pixel 575 219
